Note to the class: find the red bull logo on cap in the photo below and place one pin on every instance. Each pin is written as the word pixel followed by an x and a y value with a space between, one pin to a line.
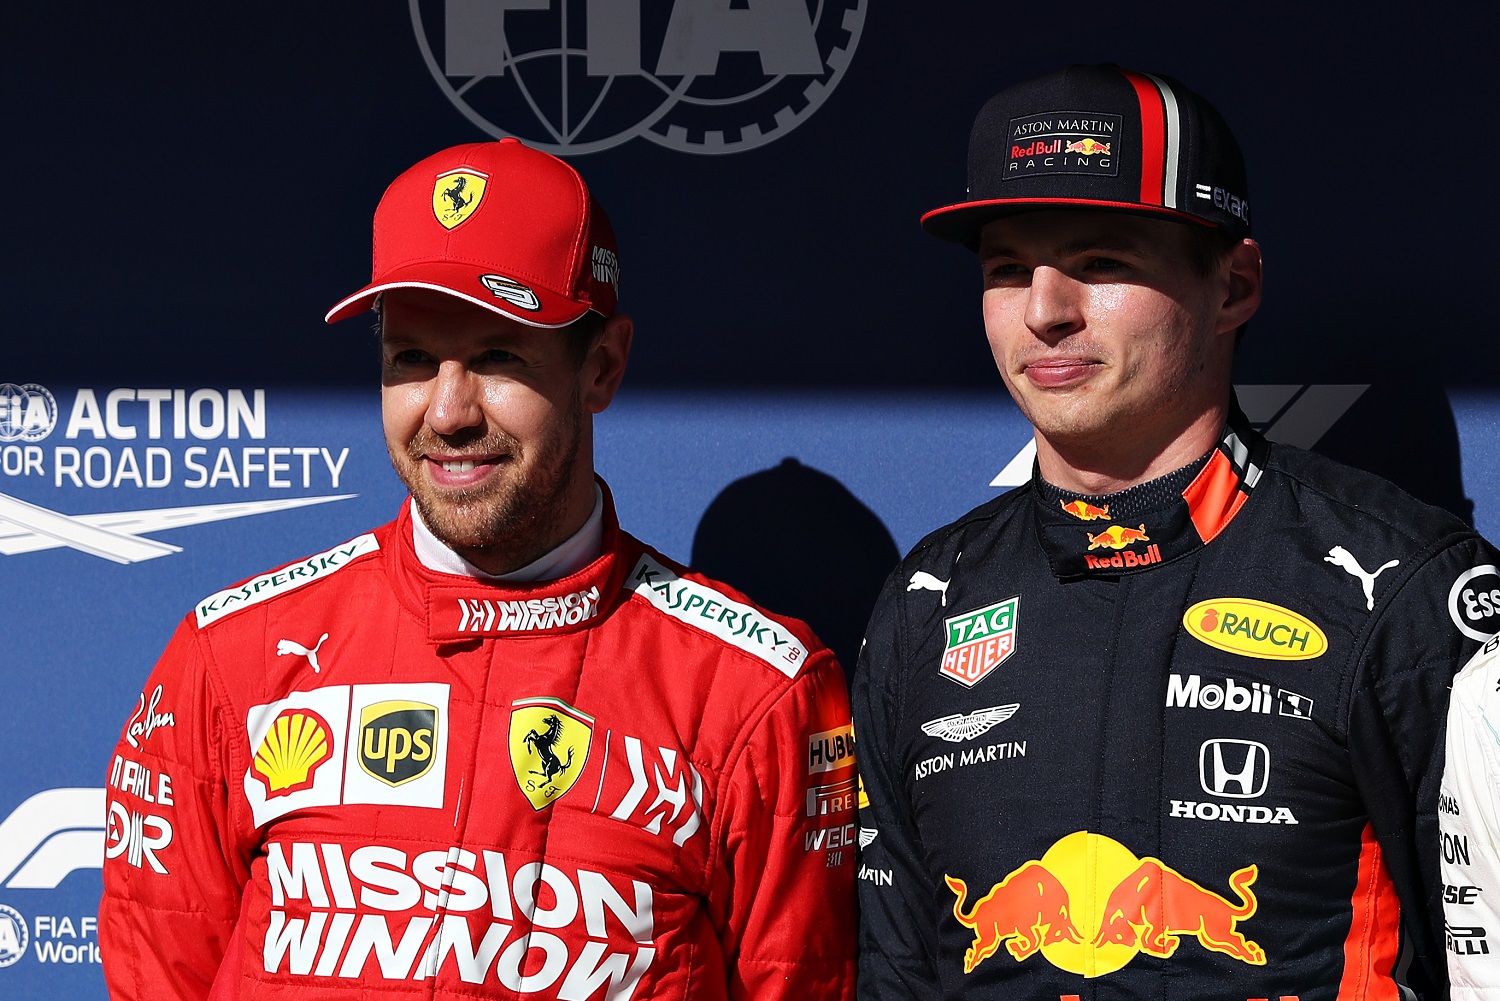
pixel 1088 146
pixel 978 642
pixel 1089 906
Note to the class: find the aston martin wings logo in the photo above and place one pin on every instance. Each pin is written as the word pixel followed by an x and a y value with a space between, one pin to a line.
pixel 958 728
pixel 118 535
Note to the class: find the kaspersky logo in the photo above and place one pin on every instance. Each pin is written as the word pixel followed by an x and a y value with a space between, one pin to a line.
pixel 1089 906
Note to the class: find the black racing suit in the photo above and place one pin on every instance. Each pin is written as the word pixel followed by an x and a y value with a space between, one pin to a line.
pixel 1183 741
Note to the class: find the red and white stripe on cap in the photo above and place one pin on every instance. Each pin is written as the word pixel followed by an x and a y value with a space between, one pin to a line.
pixel 1161 138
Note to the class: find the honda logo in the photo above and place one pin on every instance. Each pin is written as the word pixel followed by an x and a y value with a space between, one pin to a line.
pixel 1234 769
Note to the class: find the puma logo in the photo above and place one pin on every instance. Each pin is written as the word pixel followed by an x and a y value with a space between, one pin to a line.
pixel 924 581
pixel 1341 557
pixel 285 647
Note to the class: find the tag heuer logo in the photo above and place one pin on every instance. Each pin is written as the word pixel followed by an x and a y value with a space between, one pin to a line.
pixel 396 739
pixel 978 642
pixel 549 744
pixel 456 196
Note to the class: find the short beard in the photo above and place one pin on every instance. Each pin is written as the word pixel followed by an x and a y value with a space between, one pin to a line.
pixel 509 522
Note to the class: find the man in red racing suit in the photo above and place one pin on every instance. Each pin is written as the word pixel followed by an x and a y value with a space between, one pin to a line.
pixel 410 767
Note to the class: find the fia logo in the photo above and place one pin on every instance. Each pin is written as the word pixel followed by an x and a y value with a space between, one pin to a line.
pixel 579 76
pixel 13 936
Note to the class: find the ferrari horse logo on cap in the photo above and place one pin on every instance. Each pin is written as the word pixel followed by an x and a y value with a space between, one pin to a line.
pixel 456 196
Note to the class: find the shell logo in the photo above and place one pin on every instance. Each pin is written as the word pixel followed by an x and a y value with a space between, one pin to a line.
pixel 291 752
pixel 1251 628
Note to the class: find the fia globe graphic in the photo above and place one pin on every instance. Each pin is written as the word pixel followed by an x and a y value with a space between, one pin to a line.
pixel 579 76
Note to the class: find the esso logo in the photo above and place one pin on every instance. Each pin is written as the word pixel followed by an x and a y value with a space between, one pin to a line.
pixel 1474 602
pixel 579 76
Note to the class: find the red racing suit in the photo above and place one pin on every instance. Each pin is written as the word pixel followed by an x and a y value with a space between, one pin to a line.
pixel 356 777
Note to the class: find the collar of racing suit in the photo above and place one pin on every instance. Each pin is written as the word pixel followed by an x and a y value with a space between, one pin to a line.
pixel 458 607
pixel 1152 523
pixel 571 555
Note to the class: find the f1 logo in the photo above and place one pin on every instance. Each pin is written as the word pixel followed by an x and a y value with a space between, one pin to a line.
pixel 1234 769
pixel 50 835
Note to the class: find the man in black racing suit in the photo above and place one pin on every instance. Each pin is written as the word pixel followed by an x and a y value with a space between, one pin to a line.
pixel 1167 721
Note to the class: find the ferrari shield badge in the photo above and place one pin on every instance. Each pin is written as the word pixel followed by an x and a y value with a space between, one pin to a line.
pixel 549 744
pixel 456 196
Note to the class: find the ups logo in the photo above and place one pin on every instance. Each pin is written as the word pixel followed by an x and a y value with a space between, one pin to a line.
pixel 395 740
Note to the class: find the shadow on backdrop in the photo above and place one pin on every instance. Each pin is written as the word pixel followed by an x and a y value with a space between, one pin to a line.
pixel 798 542
pixel 1404 431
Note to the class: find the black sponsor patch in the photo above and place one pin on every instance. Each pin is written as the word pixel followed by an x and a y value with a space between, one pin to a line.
pixel 1063 142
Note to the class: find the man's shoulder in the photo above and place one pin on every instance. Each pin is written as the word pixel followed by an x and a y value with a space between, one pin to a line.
pixel 297 576
pixel 1364 497
pixel 986 520
pixel 703 609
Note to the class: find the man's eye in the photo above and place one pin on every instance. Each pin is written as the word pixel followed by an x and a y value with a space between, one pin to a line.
pixel 407 358
pixel 498 356
pixel 1003 271
pixel 1107 265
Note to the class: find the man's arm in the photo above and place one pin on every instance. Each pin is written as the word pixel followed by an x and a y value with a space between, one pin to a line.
pixel 789 853
pixel 1396 727
pixel 172 874
pixel 1469 818
pixel 897 921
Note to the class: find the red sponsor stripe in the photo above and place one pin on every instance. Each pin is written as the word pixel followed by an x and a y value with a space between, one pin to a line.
pixel 1153 137
pixel 1214 497
pixel 1373 940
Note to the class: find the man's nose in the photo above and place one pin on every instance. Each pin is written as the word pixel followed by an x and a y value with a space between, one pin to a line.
pixel 455 402
pixel 1054 304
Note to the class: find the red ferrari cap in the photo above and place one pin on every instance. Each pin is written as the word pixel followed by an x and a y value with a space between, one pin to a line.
pixel 498 224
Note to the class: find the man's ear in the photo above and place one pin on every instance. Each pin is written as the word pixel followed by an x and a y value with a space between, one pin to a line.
pixel 1243 290
pixel 605 365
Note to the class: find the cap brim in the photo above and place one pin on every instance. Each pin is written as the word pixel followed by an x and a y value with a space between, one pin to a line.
pixel 962 222
pixel 551 309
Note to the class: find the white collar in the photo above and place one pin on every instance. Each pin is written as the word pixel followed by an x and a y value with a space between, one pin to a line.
pixel 576 552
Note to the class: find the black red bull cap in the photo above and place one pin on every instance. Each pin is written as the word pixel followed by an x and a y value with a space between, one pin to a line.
pixel 1099 137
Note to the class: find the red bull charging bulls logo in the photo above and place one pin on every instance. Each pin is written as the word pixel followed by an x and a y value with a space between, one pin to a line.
pixel 1084 511
pixel 1090 906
